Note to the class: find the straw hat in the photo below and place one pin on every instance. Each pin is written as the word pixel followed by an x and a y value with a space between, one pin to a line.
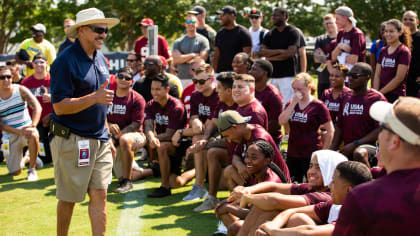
pixel 90 16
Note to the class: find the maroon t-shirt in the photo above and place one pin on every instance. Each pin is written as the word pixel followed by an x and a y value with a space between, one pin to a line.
pixel 356 40
pixel 389 65
pixel 377 172
pixel 220 108
pixel 38 88
pixel 272 101
pixel 203 106
pixel 128 109
pixel 256 111
pixel 270 176
pixel 322 210
pixel 354 119
pixel 332 104
pixel 259 133
pixel 389 205
pixel 311 196
pixel 171 116
pixel 304 137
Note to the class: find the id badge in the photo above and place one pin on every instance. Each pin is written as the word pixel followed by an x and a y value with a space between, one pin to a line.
pixel 41 149
pixel 5 147
pixel 321 68
pixel 84 153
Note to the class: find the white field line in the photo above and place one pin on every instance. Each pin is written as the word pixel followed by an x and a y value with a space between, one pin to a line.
pixel 130 223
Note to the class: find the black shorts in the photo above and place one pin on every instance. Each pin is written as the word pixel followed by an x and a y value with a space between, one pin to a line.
pixel 176 159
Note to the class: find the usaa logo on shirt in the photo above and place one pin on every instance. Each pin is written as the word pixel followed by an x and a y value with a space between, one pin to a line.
pixel 162 119
pixel 352 109
pixel 388 62
pixel 299 117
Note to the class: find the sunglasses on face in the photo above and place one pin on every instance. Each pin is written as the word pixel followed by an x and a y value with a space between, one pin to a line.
pixel 121 76
pixel 355 75
pixel 190 22
pixel 38 62
pixel 200 81
pixel 68 26
pixel 98 29
pixel 254 17
pixel 148 63
pixel 131 60
pixel 3 77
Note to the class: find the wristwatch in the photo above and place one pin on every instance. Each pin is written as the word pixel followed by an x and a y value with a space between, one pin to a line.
pixel 181 131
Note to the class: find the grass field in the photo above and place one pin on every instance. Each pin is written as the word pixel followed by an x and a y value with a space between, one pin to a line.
pixel 29 208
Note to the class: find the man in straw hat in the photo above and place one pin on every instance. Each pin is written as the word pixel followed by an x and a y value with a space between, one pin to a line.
pixel 80 148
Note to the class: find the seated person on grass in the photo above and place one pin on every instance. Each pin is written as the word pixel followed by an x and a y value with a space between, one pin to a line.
pixel 319 219
pixel 19 130
pixel 164 115
pixel 125 118
pixel 203 103
pixel 268 199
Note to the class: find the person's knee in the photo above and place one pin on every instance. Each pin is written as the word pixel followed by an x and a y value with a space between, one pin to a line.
pixel 234 228
pixel 125 142
pixel 299 219
pixel 228 172
pixel 97 196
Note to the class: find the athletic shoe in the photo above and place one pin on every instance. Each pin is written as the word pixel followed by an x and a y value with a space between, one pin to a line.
pixel 221 227
pixel 196 193
pixel 124 187
pixel 136 166
pixel 39 163
pixel 32 175
pixel 208 204
pixel 160 192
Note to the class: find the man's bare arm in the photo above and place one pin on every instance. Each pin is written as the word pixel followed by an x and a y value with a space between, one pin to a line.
pixel 33 103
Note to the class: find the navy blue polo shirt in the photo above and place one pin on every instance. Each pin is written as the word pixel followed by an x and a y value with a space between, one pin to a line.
pixel 74 74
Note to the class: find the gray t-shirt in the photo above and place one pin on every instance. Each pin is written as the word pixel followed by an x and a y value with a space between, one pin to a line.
pixel 187 45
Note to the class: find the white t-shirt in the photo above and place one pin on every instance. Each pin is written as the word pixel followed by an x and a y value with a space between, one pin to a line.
pixel 255 35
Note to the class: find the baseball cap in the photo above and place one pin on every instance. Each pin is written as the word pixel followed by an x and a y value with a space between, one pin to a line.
pixel 39 27
pixel 227 10
pixel 255 12
pixel 384 112
pixel 39 56
pixel 197 10
pixel 347 12
pixel 147 22
pixel 229 118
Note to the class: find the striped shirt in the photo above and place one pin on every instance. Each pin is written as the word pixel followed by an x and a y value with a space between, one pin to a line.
pixel 14 111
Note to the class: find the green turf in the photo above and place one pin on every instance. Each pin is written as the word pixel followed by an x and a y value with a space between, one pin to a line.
pixel 30 209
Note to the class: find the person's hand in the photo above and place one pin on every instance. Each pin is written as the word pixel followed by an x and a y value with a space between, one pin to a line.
pixel 46 98
pixel 344 47
pixel 237 193
pixel 154 142
pixel 113 149
pixel 29 131
pixel 223 208
pixel 244 201
pixel 260 232
pixel 175 138
pixel 198 146
pixel 348 149
pixel 46 120
pixel 267 228
pixel 114 129
pixel 104 95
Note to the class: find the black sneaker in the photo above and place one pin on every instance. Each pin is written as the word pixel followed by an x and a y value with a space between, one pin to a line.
pixel 160 192
pixel 124 187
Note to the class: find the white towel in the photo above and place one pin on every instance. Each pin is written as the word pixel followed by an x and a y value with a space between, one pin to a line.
pixel 327 161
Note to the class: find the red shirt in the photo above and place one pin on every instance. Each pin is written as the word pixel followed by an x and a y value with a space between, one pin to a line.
pixel 389 205
pixel 38 88
pixel 203 106
pixel 141 47
pixel 112 82
pixel 256 111
pixel 322 210
pixel 311 196
pixel 356 40
pixel 221 107
pixel 304 137
pixel 171 116
pixel 332 104
pixel 186 98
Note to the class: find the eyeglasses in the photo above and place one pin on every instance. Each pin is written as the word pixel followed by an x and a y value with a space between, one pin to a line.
pixel 149 63
pixel 355 75
pixel 254 17
pixel 68 26
pixel 98 29
pixel 190 22
pixel 121 76
pixel 131 60
pixel 200 81
pixel 3 77
pixel 382 127
pixel 38 62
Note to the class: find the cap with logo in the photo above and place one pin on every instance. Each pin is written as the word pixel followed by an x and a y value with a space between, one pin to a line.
pixel 255 12
pixel 146 22
pixel 227 10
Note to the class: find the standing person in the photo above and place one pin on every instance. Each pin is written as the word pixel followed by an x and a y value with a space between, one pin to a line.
pixel 134 62
pixel 411 20
pixel 376 47
pixel 394 59
pixel 15 69
pixel 322 50
pixel 69 41
pixel 256 30
pixel 17 126
pixel 230 40
pixel 39 84
pixel 141 46
pixel 399 147
pixel 305 114
pixel 188 47
pixel 205 29
pixel 80 146
pixel 280 46
pixel 351 43
pixel 29 47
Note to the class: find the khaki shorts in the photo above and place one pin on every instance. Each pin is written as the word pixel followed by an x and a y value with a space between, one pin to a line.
pixel 14 157
pixel 73 181
pixel 139 140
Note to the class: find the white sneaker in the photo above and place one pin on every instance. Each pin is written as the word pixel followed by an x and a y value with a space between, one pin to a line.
pixel 208 204
pixel 221 228
pixel 196 193
pixel 39 163
pixel 25 159
pixel 32 175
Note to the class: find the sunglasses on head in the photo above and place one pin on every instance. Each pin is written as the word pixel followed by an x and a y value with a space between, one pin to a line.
pixel 121 76
pixel 200 81
pixel 355 75
pixel 98 29
pixel 190 22
pixel 3 77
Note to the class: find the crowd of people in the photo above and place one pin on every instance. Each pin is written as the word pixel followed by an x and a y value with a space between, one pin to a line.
pixel 239 110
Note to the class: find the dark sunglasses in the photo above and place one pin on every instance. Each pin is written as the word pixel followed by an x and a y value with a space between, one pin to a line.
pixel 38 62
pixel 190 22
pixel 3 77
pixel 355 75
pixel 383 127
pixel 254 17
pixel 98 29
pixel 200 81
pixel 149 63
pixel 68 26
pixel 121 76
pixel 131 60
